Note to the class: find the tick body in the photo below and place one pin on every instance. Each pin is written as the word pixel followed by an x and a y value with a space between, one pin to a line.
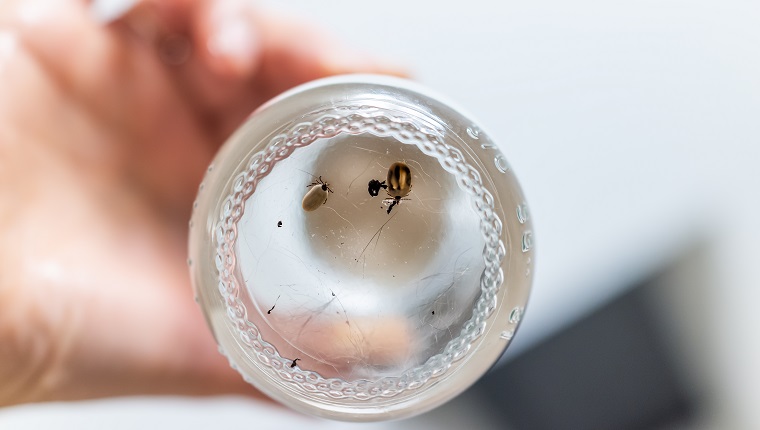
pixel 374 186
pixel 399 183
pixel 316 196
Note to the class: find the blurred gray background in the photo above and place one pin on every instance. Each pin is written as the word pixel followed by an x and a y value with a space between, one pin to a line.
pixel 634 128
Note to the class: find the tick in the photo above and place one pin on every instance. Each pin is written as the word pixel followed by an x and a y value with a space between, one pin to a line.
pixel 374 187
pixel 316 196
pixel 399 183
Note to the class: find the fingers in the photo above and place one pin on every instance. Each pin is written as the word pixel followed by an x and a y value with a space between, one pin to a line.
pixel 292 51
pixel 221 32
pixel 242 55
pixel 63 40
pixel 334 344
pixel 210 51
pixel 295 51
pixel 228 38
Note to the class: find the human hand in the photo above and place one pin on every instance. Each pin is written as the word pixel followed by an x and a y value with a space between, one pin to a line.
pixel 105 132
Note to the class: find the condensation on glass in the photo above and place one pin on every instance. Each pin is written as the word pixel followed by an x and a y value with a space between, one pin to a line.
pixel 341 296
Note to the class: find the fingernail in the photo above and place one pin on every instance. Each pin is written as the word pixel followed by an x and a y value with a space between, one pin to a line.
pixel 105 11
pixel 233 38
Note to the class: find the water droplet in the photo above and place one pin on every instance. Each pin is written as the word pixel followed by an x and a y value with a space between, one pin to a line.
pixel 210 168
pixel 197 299
pixel 189 262
pixel 522 213
pixel 527 266
pixel 501 163
pixel 506 334
pixel 515 315
pixel 190 224
pixel 488 146
pixel 527 241
pixel 473 132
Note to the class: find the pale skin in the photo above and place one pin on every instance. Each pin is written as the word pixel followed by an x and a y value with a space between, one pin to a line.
pixel 103 142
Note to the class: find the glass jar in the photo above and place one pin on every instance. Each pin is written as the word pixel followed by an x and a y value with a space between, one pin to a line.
pixel 361 250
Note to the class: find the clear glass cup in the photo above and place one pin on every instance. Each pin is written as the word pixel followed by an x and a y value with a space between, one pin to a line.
pixel 345 287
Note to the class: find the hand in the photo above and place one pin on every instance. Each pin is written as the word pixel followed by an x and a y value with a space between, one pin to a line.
pixel 105 132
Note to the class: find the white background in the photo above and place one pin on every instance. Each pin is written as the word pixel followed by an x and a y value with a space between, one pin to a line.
pixel 634 128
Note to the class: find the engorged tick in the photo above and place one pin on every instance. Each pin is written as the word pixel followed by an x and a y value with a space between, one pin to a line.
pixel 399 184
pixel 316 196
